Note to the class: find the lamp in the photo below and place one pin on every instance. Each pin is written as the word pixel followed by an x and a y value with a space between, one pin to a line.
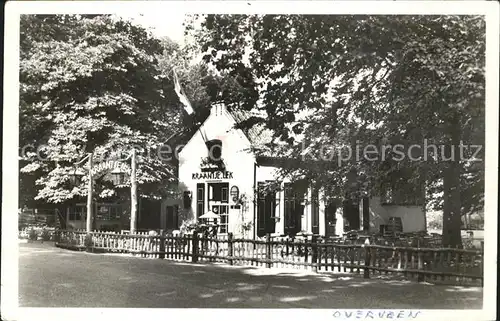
pixel 76 176
pixel 118 176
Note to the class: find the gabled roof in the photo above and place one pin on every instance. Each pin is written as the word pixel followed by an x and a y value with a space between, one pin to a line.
pixel 288 162
pixel 258 134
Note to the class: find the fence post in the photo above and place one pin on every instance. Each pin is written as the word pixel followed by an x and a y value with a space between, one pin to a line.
pixel 268 250
pixel 88 242
pixel 230 248
pixel 420 276
pixel 314 254
pixel 366 270
pixel 162 245
pixel 194 257
pixel 482 263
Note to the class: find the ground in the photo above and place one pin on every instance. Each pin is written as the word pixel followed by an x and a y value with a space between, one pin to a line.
pixel 53 277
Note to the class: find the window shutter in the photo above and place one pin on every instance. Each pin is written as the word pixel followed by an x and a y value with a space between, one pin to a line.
pixel 200 199
pixel 315 212
pixel 270 206
pixel 187 199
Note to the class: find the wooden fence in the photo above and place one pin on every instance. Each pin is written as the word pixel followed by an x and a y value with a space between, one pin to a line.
pixel 37 233
pixel 422 264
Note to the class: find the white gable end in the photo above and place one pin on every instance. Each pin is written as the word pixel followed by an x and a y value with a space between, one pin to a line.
pixel 219 125
pixel 205 187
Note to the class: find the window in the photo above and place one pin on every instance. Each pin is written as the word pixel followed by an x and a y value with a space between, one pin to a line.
pixel 222 211
pixel 115 213
pixel 218 199
pixel 102 212
pixel 315 212
pixel 224 196
pixel 77 213
pixel 200 199
pixel 108 212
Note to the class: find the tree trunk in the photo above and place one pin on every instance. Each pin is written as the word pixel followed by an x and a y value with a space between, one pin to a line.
pixel 423 184
pixel 351 202
pixel 451 206
pixel 366 213
pixel 61 213
pixel 351 206
pixel 451 188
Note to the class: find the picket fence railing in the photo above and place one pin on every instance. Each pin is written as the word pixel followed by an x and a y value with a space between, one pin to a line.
pixel 315 254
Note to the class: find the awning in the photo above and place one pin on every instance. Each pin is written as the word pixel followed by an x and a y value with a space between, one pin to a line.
pixel 210 215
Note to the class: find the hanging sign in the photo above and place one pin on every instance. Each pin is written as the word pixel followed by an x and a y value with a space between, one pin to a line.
pixel 235 193
pixel 108 166
pixel 210 165
pixel 213 175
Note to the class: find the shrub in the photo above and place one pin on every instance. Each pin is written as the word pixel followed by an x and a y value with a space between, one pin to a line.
pixel 32 235
pixel 189 226
pixel 45 235
pixel 435 220
pixel 88 240
pixel 57 236
pixel 246 227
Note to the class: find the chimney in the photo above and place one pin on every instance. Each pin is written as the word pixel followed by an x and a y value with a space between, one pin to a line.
pixel 217 109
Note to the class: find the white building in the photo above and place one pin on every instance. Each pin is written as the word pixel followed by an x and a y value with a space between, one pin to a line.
pixel 229 188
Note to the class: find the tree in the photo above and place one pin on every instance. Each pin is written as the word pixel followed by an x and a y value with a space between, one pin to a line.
pixel 372 79
pixel 203 85
pixel 192 76
pixel 90 84
pixel 443 77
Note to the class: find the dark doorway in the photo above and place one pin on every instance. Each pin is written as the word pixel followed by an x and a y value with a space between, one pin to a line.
pixel 150 214
pixel 366 214
pixel 315 212
pixel 172 217
pixel 266 205
pixel 330 219
pixel 219 192
pixel 351 214
pixel 294 206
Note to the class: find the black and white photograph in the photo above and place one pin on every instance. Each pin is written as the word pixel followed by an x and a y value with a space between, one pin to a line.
pixel 293 159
